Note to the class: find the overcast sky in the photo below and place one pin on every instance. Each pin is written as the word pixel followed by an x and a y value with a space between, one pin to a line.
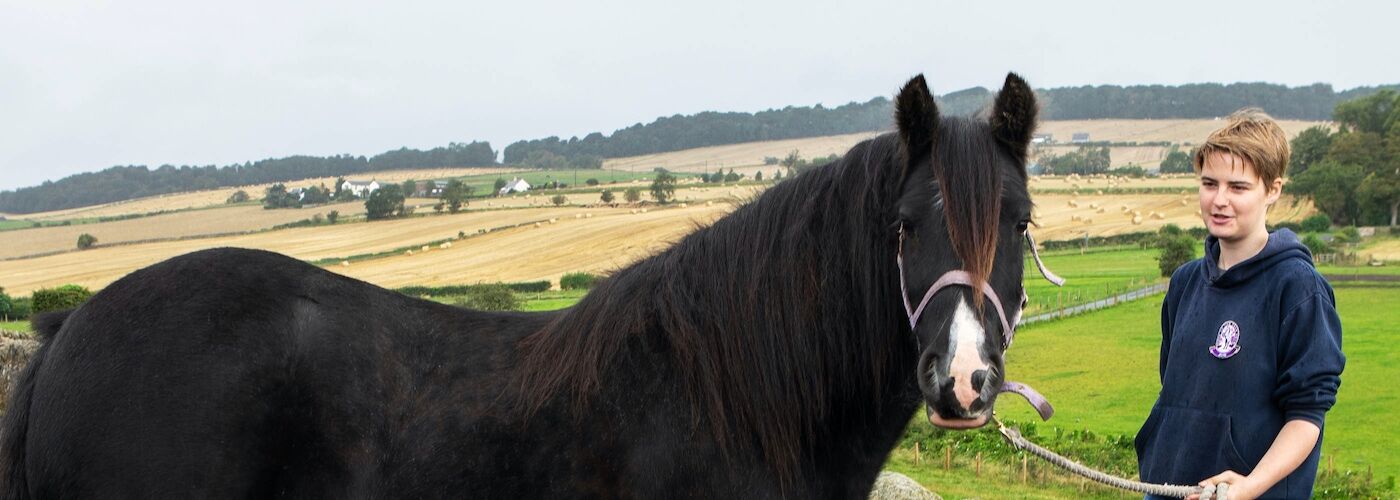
pixel 87 85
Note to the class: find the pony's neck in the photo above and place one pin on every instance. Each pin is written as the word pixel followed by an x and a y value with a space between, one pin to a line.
pixel 782 320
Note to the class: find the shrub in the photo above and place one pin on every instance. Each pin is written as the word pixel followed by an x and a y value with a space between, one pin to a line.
pixel 1315 244
pixel 632 195
pixel 1318 223
pixel 239 196
pixel 21 308
pixel 1175 251
pixel 58 299
pixel 574 281
pixel 591 182
pixel 7 306
pixel 558 200
pixel 607 196
pixel 86 241
pixel 489 298
pixel 332 215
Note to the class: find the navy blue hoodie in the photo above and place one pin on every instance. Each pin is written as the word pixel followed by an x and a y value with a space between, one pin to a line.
pixel 1243 352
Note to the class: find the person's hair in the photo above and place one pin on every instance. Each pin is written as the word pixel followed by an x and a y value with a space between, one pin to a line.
pixel 1252 135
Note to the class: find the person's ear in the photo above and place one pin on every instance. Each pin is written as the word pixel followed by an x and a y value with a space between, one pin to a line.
pixel 1274 190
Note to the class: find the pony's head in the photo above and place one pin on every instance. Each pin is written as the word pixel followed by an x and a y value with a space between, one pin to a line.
pixel 962 213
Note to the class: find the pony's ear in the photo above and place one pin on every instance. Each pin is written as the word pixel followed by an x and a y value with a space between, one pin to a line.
pixel 917 117
pixel 1013 117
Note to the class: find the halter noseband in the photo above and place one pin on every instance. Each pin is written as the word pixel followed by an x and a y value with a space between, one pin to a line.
pixel 1008 327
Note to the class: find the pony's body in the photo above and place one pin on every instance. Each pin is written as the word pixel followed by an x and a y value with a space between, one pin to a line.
pixel 763 356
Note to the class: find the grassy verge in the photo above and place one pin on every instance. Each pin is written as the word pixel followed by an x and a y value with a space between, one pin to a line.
pixel 15 326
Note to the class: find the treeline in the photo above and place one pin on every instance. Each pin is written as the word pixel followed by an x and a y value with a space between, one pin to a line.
pixel 130 182
pixel 1207 100
pixel 1353 174
pixel 710 128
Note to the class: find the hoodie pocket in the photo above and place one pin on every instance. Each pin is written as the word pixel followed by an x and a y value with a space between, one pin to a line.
pixel 1184 446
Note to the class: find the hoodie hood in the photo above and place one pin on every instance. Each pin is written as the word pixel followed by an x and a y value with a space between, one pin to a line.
pixel 1283 245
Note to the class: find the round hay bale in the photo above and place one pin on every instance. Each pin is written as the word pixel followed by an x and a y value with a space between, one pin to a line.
pixel 1159 216
pixel 426 248
pixel 588 215
pixel 684 205
pixel 896 486
pixel 1073 204
pixel 409 252
pixel 644 210
pixel 1093 205
pixel 1098 192
pixel 709 203
pixel 634 211
pixel 1184 203
pixel 1087 221
pixel 345 263
pixel 1137 219
pixel 1074 218
pixel 553 220
pixel 1100 210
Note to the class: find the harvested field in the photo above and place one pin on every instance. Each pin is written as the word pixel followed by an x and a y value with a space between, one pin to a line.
pixel 1105 215
pixel 607 242
pixel 214 197
pixel 97 267
pixel 1091 184
pixel 1385 250
pixel 747 158
pixel 24 242
pixel 1173 131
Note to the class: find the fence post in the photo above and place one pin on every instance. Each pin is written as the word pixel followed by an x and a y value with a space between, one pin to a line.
pixel 947 456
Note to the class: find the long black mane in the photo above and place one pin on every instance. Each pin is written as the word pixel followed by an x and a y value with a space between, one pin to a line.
pixel 780 318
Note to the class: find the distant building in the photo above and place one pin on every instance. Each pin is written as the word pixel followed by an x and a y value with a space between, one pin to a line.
pixel 516 185
pixel 361 189
pixel 1043 139
pixel 1079 137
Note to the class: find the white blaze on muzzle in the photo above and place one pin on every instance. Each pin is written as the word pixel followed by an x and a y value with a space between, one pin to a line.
pixel 1008 323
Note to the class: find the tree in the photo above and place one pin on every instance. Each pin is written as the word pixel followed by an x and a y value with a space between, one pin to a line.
pixel 7 306
pixel 1176 162
pixel 332 215
pixel 1309 147
pixel 663 187
pixel 1317 223
pixel 758 176
pixel 607 196
pixel 239 196
pixel 777 176
pixel 632 195
pixel 558 200
pixel 1331 186
pixel 455 195
pixel 1174 250
pixel 277 196
pixel 410 188
pixel 732 177
pixel 384 202
pixel 1376 113
pixel 591 181
pixel 340 191
pixel 577 281
pixel 790 161
pixel 500 184
pixel 86 241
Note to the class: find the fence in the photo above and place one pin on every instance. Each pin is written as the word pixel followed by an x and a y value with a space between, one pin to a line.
pixel 1109 301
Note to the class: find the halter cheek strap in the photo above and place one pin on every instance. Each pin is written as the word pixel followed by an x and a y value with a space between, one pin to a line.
pixel 1008 326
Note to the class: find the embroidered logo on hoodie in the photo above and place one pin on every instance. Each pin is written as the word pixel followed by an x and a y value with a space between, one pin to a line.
pixel 1227 341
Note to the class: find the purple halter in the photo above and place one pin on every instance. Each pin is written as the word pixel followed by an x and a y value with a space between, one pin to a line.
pixel 1008 327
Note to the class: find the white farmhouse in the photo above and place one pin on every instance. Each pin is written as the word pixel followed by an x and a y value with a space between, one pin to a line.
pixel 360 188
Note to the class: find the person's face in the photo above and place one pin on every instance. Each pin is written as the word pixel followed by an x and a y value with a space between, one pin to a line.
pixel 1234 198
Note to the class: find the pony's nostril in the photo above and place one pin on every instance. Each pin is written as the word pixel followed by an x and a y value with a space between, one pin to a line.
pixel 979 378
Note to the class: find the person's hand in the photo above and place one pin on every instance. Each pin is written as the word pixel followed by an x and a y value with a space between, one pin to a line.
pixel 1241 488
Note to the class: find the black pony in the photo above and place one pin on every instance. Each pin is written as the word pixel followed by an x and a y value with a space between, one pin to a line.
pixel 767 355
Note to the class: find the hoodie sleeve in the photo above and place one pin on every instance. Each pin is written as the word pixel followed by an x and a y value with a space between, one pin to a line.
pixel 1310 359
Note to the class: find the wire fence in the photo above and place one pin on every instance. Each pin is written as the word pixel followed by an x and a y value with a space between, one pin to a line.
pixel 1095 305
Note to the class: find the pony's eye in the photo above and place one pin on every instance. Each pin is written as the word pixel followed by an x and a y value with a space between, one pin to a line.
pixel 1022 226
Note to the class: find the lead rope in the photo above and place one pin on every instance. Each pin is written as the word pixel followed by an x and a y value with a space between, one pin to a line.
pixel 1018 441
pixel 1167 490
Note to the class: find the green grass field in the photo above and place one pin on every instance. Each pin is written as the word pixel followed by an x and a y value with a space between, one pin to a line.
pixel 15 326
pixel 1088 277
pixel 6 225
pixel 1100 371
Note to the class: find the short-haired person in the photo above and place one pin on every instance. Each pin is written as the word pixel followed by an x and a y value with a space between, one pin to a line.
pixel 1251 353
